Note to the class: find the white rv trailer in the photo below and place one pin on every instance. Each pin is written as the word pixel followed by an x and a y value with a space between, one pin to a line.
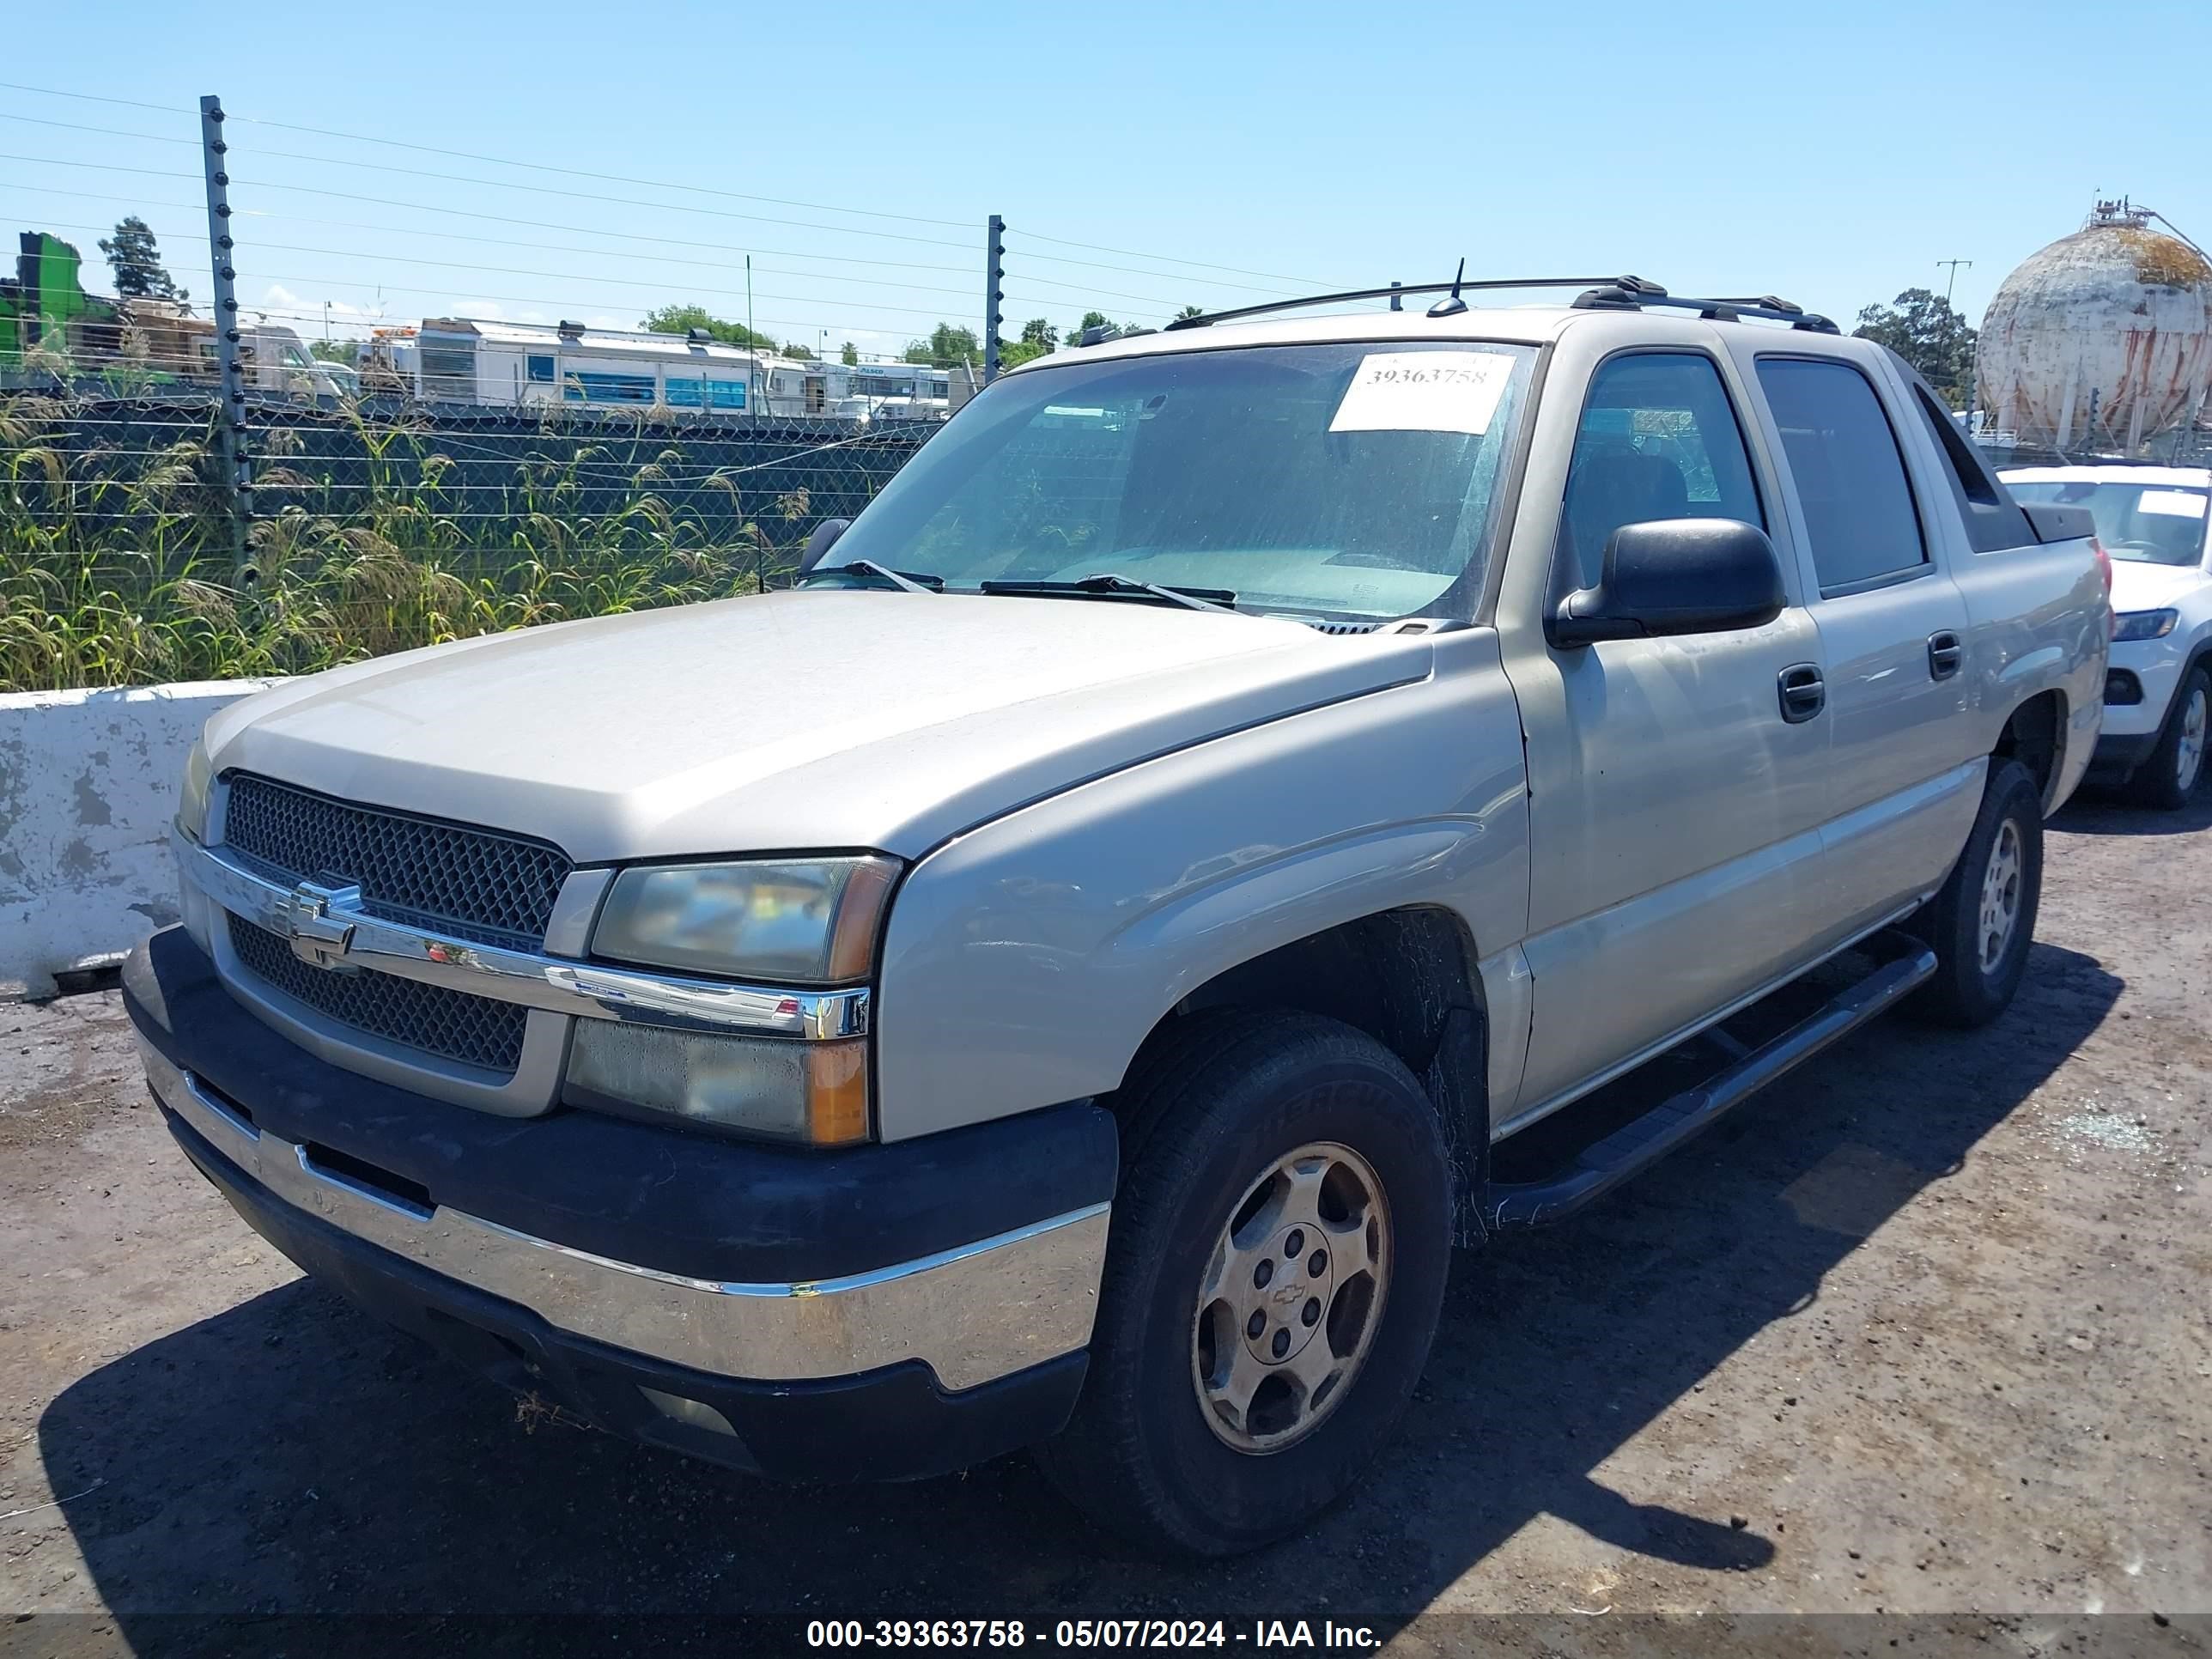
pixel 464 359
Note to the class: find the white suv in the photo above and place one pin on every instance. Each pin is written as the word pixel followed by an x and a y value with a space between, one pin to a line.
pixel 2158 691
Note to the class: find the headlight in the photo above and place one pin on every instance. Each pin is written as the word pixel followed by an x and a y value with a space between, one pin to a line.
pixel 192 802
pixel 812 1091
pixel 804 921
pixel 2143 625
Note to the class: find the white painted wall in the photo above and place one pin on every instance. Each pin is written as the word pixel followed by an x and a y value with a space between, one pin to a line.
pixel 88 787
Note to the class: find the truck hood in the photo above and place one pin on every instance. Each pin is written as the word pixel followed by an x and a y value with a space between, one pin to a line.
pixel 2138 584
pixel 820 720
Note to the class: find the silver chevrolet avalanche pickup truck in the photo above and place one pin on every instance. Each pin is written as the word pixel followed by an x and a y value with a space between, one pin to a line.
pixel 1068 974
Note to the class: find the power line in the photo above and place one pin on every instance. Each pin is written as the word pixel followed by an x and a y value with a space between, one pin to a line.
pixel 262 216
pixel 1304 284
pixel 95 98
pixel 605 177
pixel 496 184
pixel 1172 259
pixel 587 195
pixel 258 246
pixel 97 166
pixel 110 132
pixel 472 155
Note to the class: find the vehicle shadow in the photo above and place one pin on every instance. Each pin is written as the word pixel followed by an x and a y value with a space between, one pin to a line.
pixel 2107 812
pixel 292 1456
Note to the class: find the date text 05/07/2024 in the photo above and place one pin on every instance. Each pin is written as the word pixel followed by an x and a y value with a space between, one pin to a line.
pixel 1259 1633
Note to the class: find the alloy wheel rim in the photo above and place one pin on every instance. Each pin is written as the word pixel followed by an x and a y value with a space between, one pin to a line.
pixel 1291 1298
pixel 2000 911
pixel 2189 754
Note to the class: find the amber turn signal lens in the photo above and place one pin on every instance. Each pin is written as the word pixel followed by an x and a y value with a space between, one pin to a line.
pixel 836 1093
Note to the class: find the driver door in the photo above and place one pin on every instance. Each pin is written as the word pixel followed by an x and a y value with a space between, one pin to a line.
pixel 1675 803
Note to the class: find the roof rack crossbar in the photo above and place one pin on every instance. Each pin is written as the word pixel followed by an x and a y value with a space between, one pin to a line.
pixel 1627 284
pixel 1766 307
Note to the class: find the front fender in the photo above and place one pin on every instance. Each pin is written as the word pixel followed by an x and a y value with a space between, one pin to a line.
pixel 1025 962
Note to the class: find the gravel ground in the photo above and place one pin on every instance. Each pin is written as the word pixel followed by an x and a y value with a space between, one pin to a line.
pixel 1924 1330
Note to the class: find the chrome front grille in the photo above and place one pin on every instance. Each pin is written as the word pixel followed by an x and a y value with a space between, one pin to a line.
pixel 479 884
pixel 451 1024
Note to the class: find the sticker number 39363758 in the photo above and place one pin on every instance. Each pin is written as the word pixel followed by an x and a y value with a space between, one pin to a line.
pixel 1424 391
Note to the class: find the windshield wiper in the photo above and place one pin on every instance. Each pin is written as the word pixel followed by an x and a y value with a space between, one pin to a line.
pixel 1108 584
pixel 911 581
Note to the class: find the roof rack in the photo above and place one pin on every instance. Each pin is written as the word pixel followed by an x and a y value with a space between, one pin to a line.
pixel 1731 309
pixel 1600 294
pixel 1622 284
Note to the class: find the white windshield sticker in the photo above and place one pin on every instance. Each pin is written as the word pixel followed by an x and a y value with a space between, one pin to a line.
pixel 1424 391
pixel 2172 503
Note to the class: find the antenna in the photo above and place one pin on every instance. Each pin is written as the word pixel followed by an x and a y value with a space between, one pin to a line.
pixel 1451 305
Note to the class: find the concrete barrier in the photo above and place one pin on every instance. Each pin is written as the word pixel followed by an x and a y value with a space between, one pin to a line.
pixel 88 787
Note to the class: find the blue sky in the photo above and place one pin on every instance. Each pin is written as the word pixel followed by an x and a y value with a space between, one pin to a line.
pixel 1208 156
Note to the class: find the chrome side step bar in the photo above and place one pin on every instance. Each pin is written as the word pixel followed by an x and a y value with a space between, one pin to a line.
pixel 1605 1163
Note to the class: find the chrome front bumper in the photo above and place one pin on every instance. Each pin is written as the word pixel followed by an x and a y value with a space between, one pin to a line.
pixel 972 1314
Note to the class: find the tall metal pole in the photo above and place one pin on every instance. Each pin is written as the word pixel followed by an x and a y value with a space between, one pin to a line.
pixel 1949 283
pixel 994 271
pixel 752 343
pixel 230 407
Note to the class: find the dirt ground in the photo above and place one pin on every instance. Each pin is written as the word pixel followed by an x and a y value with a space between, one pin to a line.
pixel 1926 1329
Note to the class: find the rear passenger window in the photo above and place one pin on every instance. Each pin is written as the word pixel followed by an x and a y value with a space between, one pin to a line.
pixel 1658 439
pixel 1993 523
pixel 1850 474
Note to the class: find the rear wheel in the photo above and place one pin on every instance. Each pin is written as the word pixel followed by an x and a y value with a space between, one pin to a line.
pixel 2169 778
pixel 1277 1259
pixel 1982 921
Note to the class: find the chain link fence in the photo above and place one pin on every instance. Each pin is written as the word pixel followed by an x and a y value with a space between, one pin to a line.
pixel 379 526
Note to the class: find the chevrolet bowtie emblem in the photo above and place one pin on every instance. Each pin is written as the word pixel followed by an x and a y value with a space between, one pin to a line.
pixel 318 938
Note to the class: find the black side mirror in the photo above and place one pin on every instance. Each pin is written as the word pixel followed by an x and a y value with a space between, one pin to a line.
pixel 1675 576
pixel 820 540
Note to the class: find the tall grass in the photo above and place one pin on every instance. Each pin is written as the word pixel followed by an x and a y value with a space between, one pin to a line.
pixel 119 565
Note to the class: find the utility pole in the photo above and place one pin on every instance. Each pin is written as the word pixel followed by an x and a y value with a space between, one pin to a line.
pixel 1952 265
pixel 995 271
pixel 230 404
pixel 752 344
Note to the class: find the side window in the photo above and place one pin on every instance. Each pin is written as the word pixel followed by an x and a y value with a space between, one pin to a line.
pixel 1850 474
pixel 1993 523
pixel 1658 439
pixel 541 369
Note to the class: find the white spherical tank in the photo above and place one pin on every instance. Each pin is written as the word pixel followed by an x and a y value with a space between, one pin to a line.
pixel 2101 340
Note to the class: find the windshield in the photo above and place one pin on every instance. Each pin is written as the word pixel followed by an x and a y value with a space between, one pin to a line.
pixel 1346 480
pixel 2151 524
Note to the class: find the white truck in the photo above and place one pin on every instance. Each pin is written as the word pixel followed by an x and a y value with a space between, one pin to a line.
pixel 1058 977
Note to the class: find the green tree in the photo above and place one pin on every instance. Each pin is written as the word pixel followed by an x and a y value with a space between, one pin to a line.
pixel 136 258
pixel 334 351
pixel 682 319
pixel 945 346
pixel 798 353
pixel 1922 328
pixel 1038 338
pixel 1190 311
pixel 849 356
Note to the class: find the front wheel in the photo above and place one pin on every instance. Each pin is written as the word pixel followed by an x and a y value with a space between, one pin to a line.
pixel 1981 920
pixel 1277 1264
pixel 2170 776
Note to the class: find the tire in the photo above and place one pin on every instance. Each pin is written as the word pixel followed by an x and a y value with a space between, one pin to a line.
pixel 1973 983
pixel 1213 1119
pixel 2169 777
